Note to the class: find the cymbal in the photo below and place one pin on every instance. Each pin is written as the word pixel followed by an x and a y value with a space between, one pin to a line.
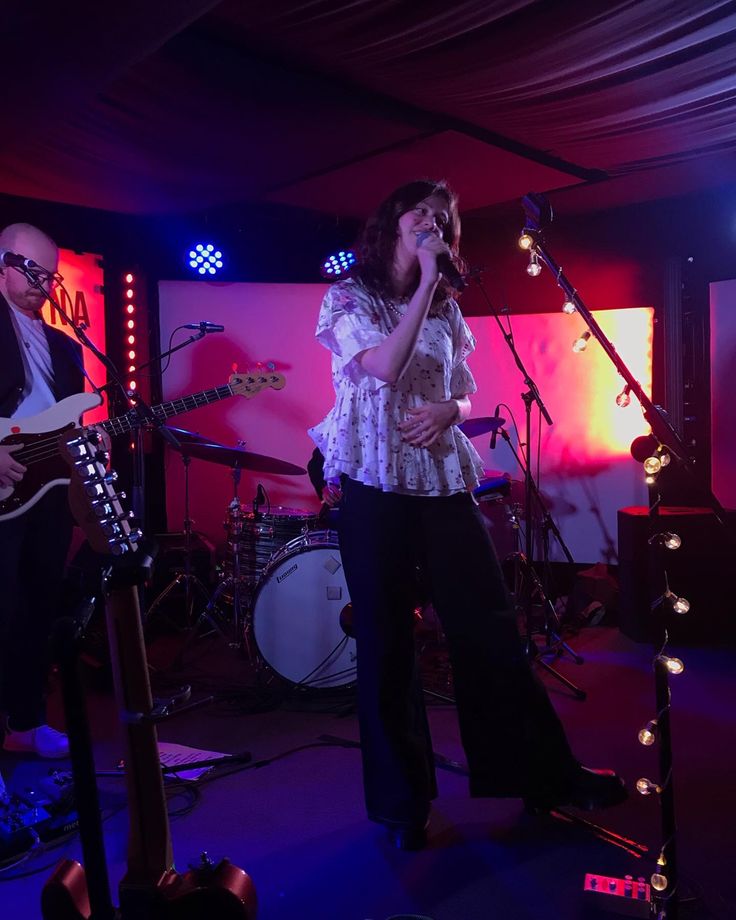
pixel 242 459
pixel 474 427
pixel 184 436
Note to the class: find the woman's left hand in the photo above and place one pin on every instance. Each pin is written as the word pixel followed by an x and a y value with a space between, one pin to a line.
pixel 426 423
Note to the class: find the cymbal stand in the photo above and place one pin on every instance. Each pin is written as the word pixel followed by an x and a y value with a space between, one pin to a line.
pixel 531 587
pixel 529 580
pixel 187 578
pixel 239 632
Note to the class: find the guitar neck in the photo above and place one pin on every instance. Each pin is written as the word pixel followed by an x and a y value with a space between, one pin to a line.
pixel 149 840
pixel 123 423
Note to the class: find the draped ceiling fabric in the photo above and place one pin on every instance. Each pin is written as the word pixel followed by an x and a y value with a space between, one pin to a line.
pixel 153 108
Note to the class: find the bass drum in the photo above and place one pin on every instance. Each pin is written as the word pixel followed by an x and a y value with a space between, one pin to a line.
pixel 301 612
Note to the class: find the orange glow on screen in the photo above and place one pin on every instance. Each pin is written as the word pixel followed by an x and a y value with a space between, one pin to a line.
pixel 83 300
pixel 579 390
pixel 608 430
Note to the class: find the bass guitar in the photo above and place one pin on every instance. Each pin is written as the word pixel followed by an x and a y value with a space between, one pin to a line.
pixel 41 435
pixel 151 889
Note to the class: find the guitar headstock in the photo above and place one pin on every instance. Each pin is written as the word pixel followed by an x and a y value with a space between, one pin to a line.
pixel 94 501
pixel 253 382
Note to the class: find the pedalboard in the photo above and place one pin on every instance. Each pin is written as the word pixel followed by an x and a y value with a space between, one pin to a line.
pixel 36 816
pixel 627 896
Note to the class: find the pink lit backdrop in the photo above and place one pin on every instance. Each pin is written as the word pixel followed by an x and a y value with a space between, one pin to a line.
pixel 84 301
pixel 586 470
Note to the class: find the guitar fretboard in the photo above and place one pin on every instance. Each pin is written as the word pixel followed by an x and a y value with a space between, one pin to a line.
pixel 123 423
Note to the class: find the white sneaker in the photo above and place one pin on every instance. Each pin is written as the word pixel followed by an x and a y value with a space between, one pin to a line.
pixel 44 741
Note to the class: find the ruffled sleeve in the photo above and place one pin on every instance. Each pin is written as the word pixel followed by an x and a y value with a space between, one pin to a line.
pixel 348 324
pixel 462 382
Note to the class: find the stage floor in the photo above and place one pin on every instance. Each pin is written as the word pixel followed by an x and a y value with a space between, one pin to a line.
pixel 294 819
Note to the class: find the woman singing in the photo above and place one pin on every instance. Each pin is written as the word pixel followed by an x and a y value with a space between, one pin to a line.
pixel 399 346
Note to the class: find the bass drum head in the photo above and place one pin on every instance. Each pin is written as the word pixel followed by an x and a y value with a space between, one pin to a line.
pixel 297 614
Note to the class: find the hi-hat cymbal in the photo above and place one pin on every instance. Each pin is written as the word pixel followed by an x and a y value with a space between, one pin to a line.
pixel 241 459
pixel 474 427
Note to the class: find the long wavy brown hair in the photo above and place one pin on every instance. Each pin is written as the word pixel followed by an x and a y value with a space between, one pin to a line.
pixel 377 242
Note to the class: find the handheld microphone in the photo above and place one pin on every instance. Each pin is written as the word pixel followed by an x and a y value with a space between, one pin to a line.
pixel 13 260
pixel 494 433
pixel 445 265
pixel 205 326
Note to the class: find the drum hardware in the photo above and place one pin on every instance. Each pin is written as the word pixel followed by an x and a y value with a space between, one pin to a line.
pixel 234 630
pixel 192 584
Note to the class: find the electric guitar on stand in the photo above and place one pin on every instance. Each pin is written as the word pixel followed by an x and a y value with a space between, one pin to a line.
pixel 39 434
pixel 151 889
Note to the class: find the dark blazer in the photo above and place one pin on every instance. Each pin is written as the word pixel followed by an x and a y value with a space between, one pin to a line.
pixel 66 361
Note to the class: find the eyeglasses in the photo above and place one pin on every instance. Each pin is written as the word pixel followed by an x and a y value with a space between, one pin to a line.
pixel 41 276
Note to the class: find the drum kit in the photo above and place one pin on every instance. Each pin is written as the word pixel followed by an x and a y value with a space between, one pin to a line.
pixel 282 596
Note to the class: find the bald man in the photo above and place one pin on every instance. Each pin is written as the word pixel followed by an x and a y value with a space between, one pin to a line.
pixel 39 366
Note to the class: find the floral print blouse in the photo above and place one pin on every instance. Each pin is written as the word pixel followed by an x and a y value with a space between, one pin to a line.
pixel 359 437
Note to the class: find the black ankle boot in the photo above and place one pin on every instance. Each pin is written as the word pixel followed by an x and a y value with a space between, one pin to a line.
pixel 408 836
pixel 587 789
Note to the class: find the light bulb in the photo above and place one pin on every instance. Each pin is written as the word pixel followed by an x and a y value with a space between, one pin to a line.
pixel 664 458
pixel 648 735
pixel 645 786
pixel 533 268
pixel 680 605
pixel 666 539
pixel 526 240
pixel 623 399
pixel 659 881
pixel 649 480
pixel 652 465
pixel 673 665
pixel 581 343
pixel 569 307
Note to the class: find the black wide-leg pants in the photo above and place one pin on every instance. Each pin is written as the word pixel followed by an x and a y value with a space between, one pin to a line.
pixel 514 742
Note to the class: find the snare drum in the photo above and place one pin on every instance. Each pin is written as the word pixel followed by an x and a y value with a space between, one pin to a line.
pixel 297 614
pixel 256 537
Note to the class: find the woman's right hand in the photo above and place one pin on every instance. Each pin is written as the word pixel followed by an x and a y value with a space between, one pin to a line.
pixel 11 470
pixel 429 248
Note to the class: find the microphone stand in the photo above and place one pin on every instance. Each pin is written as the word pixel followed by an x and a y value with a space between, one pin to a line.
pixel 141 409
pixel 666 899
pixel 532 586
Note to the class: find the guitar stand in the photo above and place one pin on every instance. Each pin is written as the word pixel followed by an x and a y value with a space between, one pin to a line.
pixel 192 584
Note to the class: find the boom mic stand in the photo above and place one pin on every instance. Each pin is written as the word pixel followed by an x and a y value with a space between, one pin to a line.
pixel 531 585
pixel 538 213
